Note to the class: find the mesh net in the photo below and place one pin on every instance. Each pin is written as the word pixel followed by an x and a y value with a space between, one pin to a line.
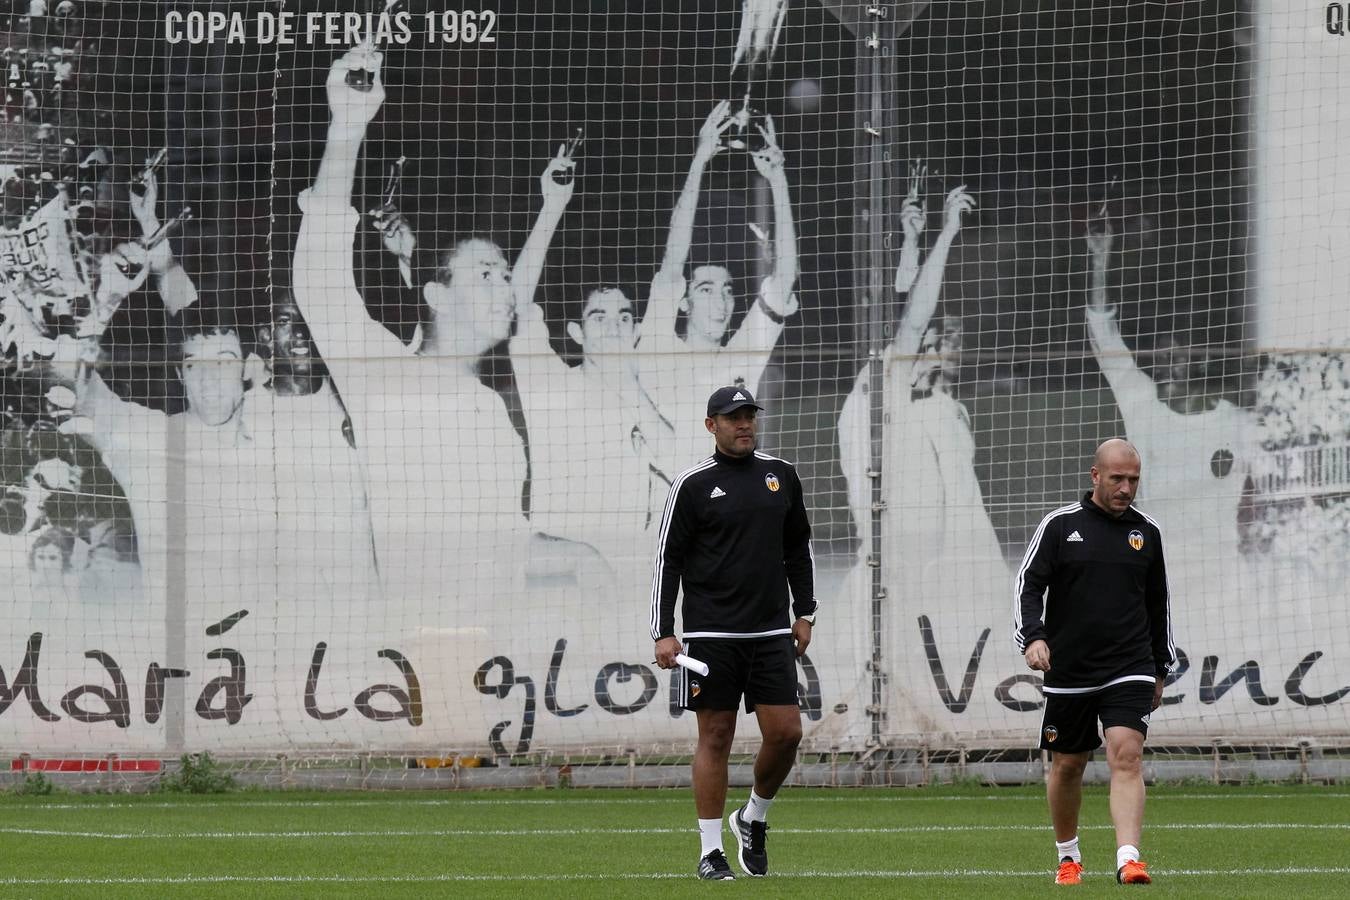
pixel 344 389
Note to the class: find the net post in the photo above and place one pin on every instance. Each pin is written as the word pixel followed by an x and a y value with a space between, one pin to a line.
pixel 876 68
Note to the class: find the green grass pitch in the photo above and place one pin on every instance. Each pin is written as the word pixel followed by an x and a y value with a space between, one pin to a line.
pixel 1199 841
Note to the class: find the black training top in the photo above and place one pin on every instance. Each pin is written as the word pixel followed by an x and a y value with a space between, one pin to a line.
pixel 1106 617
pixel 736 535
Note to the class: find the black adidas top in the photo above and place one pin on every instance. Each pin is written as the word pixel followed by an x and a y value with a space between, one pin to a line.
pixel 736 535
pixel 1106 617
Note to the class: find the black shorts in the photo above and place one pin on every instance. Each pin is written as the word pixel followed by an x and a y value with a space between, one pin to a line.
pixel 1070 723
pixel 763 670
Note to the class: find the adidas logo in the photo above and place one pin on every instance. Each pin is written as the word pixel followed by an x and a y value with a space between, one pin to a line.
pixel 739 396
pixel 1075 537
pixel 717 492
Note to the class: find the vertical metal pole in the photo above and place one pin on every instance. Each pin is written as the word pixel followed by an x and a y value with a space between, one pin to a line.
pixel 196 115
pixel 876 66
pixel 175 585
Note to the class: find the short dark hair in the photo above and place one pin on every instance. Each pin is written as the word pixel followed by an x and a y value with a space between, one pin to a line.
pixel 202 319
pixel 604 289
pixel 692 265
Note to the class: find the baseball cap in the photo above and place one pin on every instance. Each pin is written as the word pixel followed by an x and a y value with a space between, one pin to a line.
pixel 729 399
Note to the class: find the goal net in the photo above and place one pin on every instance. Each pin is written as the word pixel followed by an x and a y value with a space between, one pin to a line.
pixel 352 350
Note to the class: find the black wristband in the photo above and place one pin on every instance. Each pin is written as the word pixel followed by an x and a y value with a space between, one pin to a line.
pixel 769 311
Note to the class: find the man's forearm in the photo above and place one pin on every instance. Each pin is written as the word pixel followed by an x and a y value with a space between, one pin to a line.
pixel 1033 625
pixel 682 218
pixel 1159 616
pixel 1097 289
pixel 529 266
pixel 908 268
pixel 785 236
pixel 923 298
pixel 1134 390
pixel 802 583
pixel 928 286
pixel 663 622
pixel 337 168
pixel 1029 587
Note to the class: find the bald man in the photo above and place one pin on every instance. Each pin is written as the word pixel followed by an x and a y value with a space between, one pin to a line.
pixel 1091 611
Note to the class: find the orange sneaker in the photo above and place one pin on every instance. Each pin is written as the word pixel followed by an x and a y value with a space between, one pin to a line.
pixel 1069 872
pixel 1133 872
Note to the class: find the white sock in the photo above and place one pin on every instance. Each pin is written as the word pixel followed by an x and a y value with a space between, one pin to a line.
pixel 1068 848
pixel 757 810
pixel 1126 853
pixel 710 835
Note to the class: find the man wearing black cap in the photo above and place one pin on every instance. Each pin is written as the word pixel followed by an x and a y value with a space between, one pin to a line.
pixel 735 533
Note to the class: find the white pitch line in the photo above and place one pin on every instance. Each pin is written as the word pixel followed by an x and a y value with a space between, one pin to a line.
pixel 901 795
pixel 637 876
pixel 554 832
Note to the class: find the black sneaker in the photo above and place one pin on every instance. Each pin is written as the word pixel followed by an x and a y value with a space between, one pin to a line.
pixel 714 867
pixel 750 836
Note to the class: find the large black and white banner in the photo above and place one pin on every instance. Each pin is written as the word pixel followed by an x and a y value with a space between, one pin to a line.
pixel 350 350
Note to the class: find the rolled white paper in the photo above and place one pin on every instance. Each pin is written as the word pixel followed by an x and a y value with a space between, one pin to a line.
pixel 691 664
